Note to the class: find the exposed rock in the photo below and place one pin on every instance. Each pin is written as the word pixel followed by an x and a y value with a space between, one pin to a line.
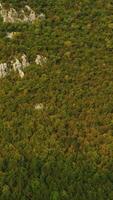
pixel 40 60
pixel 39 106
pixel 8 15
pixel 11 15
pixel 28 8
pixel 16 65
pixel 23 16
pixel 42 16
pixel 3 70
pixel 32 15
pixel 21 73
pixel 11 35
pixel 3 13
pixel 25 62
pixel 19 65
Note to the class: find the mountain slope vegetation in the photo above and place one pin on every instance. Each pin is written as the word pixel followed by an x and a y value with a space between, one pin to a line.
pixel 56 123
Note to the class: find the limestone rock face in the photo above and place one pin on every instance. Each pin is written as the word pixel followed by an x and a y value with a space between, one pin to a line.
pixel 26 14
pixel 8 15
pixel 3 70
pixel 39 106
pixel 24 61
pixel 19 64
pixel 16 65
pixel 12 35
pixel 12 15
pixel 42 16
pixel 21 73
pixel 32 16
pixel 40 60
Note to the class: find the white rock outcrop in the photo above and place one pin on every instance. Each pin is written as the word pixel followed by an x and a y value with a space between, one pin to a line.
pixel 42 16
pixel 8 15
pixel 10 35
pixel 32 15
pixel 16 65
pixel 24 61
pixel 21 73
pixel 3 70
pixel 12 15
pixel 40 60
pixel 26 14
pixel 39 106
pixel 19 64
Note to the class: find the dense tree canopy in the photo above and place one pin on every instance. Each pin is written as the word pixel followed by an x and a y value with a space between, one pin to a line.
pixel 65 150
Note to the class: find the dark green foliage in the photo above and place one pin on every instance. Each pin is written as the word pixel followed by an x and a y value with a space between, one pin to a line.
pixel 65 151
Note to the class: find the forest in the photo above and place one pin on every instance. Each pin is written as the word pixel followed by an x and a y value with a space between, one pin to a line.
pixel 56 121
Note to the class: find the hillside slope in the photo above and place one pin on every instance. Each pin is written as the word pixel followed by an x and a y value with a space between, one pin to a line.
pixel 56 114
